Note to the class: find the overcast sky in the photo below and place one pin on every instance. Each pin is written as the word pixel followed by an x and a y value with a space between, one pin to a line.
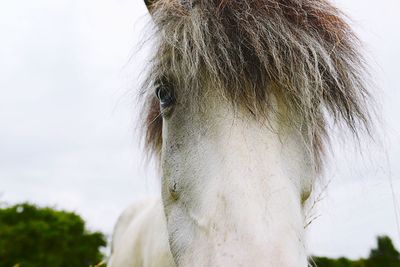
pixel 68 77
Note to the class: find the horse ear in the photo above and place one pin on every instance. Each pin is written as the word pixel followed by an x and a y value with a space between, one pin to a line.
pixel 149 4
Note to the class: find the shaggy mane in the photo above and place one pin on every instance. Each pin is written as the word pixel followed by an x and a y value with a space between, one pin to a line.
pixel 301 52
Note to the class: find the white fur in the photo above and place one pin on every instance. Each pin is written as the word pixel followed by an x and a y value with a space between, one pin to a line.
pixel 140 237
pixel 232 188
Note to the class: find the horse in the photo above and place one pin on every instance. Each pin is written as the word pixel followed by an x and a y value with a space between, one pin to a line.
pixel 239 107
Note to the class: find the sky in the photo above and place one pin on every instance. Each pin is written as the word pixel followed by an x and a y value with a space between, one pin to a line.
pixel 69 74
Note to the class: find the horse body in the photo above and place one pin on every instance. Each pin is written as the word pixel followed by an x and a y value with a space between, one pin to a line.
pixel 140 237
pixel 237 104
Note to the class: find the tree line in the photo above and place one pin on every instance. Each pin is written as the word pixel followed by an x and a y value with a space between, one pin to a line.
pixel 384 255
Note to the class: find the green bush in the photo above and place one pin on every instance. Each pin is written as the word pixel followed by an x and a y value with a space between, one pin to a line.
pixel 43 237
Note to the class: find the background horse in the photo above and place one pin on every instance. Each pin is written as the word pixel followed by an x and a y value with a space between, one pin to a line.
pixel 237 103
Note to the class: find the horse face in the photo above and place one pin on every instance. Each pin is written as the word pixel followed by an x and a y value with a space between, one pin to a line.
pixel 231 183
pixel 230 186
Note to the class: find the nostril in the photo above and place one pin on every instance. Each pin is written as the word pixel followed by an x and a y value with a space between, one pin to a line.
pixel 173 191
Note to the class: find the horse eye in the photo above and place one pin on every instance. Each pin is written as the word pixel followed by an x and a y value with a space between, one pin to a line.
pixel 164 95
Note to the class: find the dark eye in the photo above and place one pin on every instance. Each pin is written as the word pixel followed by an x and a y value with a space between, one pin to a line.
pixel 164 95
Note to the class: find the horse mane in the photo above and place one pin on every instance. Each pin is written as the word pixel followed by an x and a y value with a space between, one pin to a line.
pixel 302 52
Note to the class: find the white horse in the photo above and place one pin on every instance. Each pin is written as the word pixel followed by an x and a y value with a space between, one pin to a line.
pixel 236 106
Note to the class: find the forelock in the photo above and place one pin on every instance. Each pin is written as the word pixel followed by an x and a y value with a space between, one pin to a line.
pixel 300 52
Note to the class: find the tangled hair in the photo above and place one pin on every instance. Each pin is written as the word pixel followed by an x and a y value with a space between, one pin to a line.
pixel 301 52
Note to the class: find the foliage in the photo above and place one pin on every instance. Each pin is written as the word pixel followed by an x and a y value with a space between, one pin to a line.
pixel 31 237
pixel 384 255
